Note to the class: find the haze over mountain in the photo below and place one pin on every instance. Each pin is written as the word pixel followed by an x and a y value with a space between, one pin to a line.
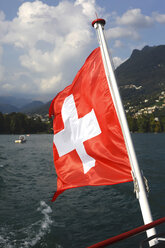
pixel 12 104
pixel 141 76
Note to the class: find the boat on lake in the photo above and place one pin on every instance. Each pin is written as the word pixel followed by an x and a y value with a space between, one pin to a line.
pixel 21 139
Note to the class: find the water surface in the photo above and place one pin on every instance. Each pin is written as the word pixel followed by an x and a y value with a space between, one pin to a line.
pixel 79 217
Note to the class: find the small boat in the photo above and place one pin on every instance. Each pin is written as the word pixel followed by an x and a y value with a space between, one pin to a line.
pixel 21 139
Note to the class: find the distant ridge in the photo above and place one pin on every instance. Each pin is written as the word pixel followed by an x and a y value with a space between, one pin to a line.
pixel 28 108
pixel 7 108
pixel 141 76
pixel 17 102
pixel 31 107
pixel 145 68
pixel 44 109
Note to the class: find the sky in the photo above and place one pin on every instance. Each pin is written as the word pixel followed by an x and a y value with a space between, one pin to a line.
pixel 44 43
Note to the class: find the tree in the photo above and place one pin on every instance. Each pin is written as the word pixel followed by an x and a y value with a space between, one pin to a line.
pixel 154 124
pixel 162 123
pixel 132 123
pixel 7 121
pixel 1 123
pixel 143 124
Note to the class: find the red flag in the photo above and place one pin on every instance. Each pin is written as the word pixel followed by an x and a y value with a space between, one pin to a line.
pixel 88 144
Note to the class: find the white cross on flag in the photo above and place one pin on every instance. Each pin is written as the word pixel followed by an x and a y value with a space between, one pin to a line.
pixel 88 143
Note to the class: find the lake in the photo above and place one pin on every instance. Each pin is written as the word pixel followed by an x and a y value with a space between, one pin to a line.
pixel 79 217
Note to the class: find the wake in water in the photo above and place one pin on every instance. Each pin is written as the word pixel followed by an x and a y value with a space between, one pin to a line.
pixel 44 225
pixel 32 235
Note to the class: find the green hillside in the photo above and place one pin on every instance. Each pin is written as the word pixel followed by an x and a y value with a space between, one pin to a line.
pixel 145 69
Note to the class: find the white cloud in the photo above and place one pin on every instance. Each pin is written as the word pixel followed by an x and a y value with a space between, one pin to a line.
pixel 48 84
pixel 36 60
pixel 159 17
pixel 117 61
pixel 3 26
pixel 2 16
pixel 134 18
pixel 1 66
pixel 122 32
pixel 7 87
pixel 118 44
pixel 129 26
pixel 48 38
pixel 88 7
pixel 52 42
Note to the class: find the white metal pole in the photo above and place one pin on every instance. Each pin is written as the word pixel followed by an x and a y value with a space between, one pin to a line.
pixel 142 196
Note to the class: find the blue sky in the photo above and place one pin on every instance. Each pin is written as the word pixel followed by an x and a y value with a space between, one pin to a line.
pixel 44 43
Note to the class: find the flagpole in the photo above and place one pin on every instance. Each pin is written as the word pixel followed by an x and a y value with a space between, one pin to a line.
pixel 98 24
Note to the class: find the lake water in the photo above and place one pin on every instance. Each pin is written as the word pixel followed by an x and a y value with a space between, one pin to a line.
pixel 79 217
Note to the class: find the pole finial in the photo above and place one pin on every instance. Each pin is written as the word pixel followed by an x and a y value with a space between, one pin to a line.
pixel 101 21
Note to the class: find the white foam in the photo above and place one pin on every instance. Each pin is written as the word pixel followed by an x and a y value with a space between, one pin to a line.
pixel 44 225
pixel 5 242
pixel 34 233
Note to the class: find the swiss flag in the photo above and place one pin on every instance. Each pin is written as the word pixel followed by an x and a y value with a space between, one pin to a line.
pixel 88 144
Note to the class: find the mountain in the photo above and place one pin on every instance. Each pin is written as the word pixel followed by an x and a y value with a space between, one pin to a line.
pixel 14 101
pixel 6 107
pixel 29 108
pixel 140 77
pixel 44 109
pixel 143 73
